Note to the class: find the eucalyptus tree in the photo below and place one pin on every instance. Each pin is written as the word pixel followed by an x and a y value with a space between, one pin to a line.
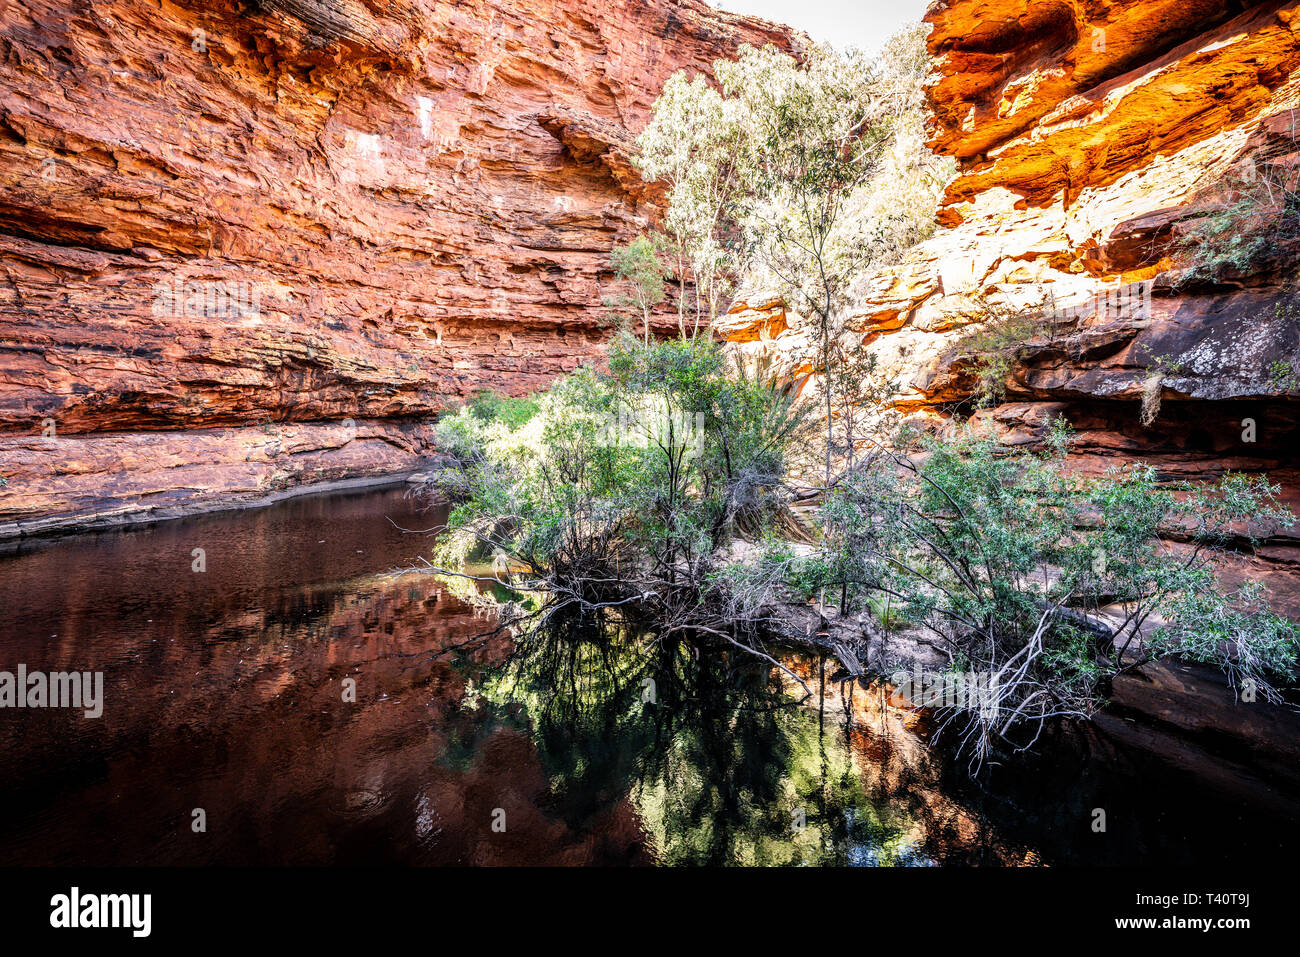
pixel 691 147
pixel 640 267
pixel 798 174
pixel 811 134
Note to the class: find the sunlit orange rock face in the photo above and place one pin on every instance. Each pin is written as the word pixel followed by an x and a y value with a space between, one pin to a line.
pixel 226 215
pixel 1087 135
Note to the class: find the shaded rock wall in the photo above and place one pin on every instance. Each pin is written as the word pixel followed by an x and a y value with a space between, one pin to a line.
pixel 217 218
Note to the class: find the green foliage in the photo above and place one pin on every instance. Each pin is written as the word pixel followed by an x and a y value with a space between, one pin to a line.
pixel 465 433
pixel 992 350
pixel 894 209
pixel 640 267
pixel 809 576
pixel 1253 211
pixel 488 406
pixel 886 613
pixel 811 134
pixel 627 482
pixel 1164 366
pixel 796 176
pixel 1240 234
pixel 859 394
pixel 690 145
pixel 624 493
pixel 1236 632
pixel 1282 375
pixel 1023 569
pixel 1287 309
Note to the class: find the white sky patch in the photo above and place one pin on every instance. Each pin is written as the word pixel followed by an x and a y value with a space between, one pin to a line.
pixel 860 23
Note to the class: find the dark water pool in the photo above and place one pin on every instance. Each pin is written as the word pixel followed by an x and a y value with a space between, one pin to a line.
pixel 224 691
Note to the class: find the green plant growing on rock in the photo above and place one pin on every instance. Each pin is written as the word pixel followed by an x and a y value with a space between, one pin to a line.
pixel 1237 236
pixel 992 349
pixel 1287 309
pixel 1254 210
pixel 1282 375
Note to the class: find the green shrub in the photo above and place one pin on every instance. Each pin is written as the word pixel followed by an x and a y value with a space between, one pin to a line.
pixel 628 483
pixel 1054 581
pixel 1255 210
pixel 488 406
pixel 991 349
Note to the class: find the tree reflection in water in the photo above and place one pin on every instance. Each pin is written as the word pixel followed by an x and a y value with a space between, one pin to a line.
pixel 722 765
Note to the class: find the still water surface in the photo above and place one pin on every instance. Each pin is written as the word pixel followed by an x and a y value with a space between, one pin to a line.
pixel 224 691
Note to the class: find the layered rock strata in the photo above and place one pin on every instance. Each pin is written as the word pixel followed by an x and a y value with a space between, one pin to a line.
pixel 219 219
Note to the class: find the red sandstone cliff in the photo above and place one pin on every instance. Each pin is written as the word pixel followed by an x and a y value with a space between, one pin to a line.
pixel 217 218
pixel 416 199
pixel 1087 135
